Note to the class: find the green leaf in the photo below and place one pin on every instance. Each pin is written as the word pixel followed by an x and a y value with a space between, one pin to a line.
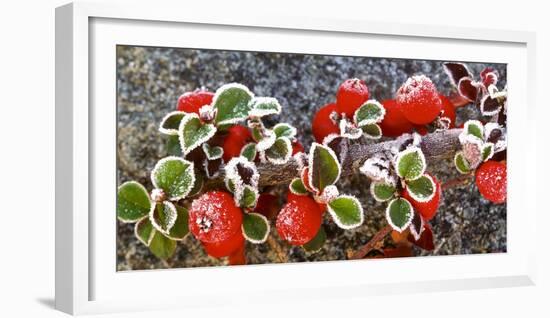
pixel 316 244
pixel 461 163
pixel 212 153
pixel 410 163
pixel 230 185
pixel 421 189
pixel 346 211
pixel 192 133
pixel 488 151
pixel 474 128
pixel 133 202
pixel 265 138
pixel 175 176
pixel 181 227
pixel 284 130
pixel 382 191
pixel 232 103
pixel 249 151
pixel 255 227
pixel 246 197
pixel 144 231
pixel 164 216
pixel 162 246
pixel 370 112
pixel 297 187
pixel 197 187
pixel 324 168
pixel 399 214
pixel 171 122
pixel 280 152
pixel 372 131
pixel 173 147
pixel 263 106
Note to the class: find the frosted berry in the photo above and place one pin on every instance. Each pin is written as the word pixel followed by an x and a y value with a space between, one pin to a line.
pixel 214 217
pixel 299 220
pixel 351 94
pixel 225 248
pixel 426 209
pixel 394 123
pixel 191 102
pixel 448 110
pixel 237 137
pixel 419 100
pixel 491 181
pixel 325 122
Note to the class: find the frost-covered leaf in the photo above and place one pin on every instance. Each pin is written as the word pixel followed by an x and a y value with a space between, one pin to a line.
pixel 421 189
pixel 171 122
pixel 181 227
pixel 410 163
pixel 488 151
pixel 280 152
pixel 255 227
pixel 417 226
pixel 230 185
pixel 296 186
pixel 192 133
pixel 232 103
pixel 162 246
pixel 163 216
pixel 346 211
pixel 197 187
pixel 212 153
pixel 284 130
pixel 377 168
pixel 489 76
pixel 382 191
pixel 371 112
pixel 461 164
pixel 175 176
pixel 426 239
pixel 241 172
pixel 472 149
pixel 144 231
pixel 349 130
pixel 330 193
pixel 265 138
pixel 399 214
pixel 173 147
pixel 490 106
pixel 372 131
pixel 133 202
pixel 316 244
pixel 474 128
pixel 324 168
pixel 456 71
pixel 249 151
pixel 264 106
pixel 468 89
pixel 212 167
pixel 246 196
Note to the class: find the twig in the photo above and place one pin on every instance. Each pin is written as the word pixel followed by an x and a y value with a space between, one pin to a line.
pixel 281 255
pixel 365 249
pixel 460 181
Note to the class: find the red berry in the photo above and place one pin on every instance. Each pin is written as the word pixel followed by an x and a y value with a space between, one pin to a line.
pixel 267 205
pixel 426 209
pixel 419 100
pixel 394 123
pixel 299 220
pixel 238 257
pixel 225 248
pixel 491 181
pixel 421 130
pixel 237 137
pixel 305 179
pixel 191 102
pixel 448 110
pixel 351 94
pixel 297 147
pixel 214 217
pixel 325 122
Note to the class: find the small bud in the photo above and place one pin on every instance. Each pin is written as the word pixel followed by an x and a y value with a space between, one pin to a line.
pixel 158 195
pixel 207 113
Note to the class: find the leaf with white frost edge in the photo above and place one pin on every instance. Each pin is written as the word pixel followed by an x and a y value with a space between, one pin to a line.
pixel 372 131
pixel 144 231
pixel 212 153
pixel 192 133
pixel 297 187
pixel 163 216
pixel 324 168
pixel 474 128
pixel 417 226
pixel 246 196
pixel 280 152
pixel 456 71
pixel 232 103
pixel 488 151
pixel 175 176
pixel 461 164
pixel 410 163
pixel 317 242
pixel 399 214
pixel 349 130
pixel 377 168
pixel 133 202
pixel 489 105
pixel 382 191
pixel 162 246
pixel 422 189
pixel 240 171
pixel 169 125
pixel 264 106
pixel 371 112
pixel 181 227
pixel 255 227
pixel 249 151
pixel 346 211
pixel 284 130
pixel 197 187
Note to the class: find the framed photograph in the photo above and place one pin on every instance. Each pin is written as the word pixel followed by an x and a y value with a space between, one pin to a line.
pixel 250 158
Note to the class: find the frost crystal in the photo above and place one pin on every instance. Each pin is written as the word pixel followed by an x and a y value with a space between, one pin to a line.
pixel 378 169
pixel 329 193
pixel 158 195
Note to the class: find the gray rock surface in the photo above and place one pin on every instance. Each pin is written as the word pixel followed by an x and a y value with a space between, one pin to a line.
pixel 149 81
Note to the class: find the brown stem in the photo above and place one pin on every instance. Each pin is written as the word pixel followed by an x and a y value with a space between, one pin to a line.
pixel 281 255
pixel 460 181
pixel 365 249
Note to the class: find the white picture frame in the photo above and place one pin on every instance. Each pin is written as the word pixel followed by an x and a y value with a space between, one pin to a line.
pixel 86 281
